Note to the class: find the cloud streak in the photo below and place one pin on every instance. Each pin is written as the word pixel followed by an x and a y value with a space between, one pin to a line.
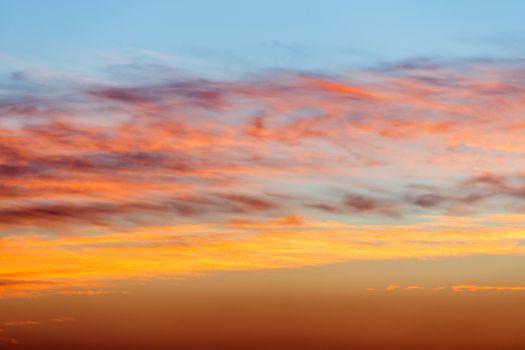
pixel 477 288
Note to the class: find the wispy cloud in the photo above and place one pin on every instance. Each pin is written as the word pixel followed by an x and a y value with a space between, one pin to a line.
pixel 62 319
pixel 478 288
pixel 21 323
pixel 88 292
pixel 455 288
pixel 180 174
pixel 9 340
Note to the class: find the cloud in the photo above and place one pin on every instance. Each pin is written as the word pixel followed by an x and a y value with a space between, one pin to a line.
pixel 478 288
pixel 356 203
pixel 392 287
pixel 396 287
pixel 19 288
pixel 101 213
pixel 9 340
pixel 21 323
pixel 193 249
pixel 455 288
pixel 14 286
pixel 82 292
pixel 178 174
pixel 363 204
pixel 414 287
pixel 478 192
pixel 62 319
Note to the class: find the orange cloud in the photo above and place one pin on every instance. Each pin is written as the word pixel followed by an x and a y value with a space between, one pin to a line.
pixel 72 262
pixel 82 292
pixel 477 288
pixel 414 287
pixel 392 287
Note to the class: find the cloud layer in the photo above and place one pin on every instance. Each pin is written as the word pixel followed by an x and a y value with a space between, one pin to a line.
pixel 180 174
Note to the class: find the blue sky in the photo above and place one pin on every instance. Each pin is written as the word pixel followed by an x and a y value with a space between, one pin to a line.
pixel 268 34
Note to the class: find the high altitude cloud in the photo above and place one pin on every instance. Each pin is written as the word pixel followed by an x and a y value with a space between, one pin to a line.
pixel 247 172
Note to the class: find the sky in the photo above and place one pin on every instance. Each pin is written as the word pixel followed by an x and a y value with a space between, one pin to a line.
pixel 233 174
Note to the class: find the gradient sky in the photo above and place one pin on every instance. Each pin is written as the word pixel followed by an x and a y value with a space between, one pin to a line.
pixel 281 174
pixel 269 34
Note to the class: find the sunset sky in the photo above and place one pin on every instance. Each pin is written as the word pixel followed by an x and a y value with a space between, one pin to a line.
pixel 277 174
